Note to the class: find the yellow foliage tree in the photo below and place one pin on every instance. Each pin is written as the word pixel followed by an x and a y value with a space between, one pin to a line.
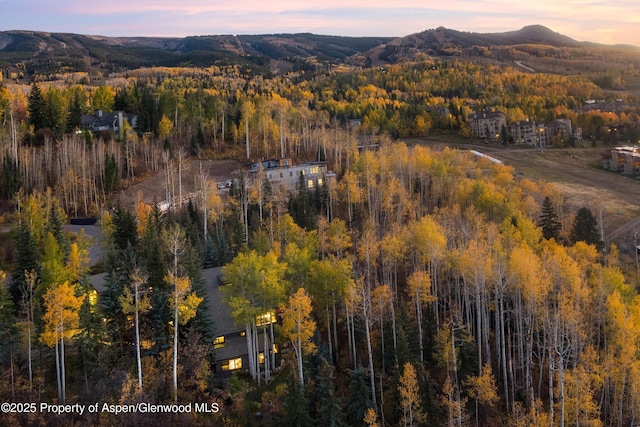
pixel 184 305
pixel 61 319
pixel 298 327
pixel 483 388
pixel 409 390
pixel 165 126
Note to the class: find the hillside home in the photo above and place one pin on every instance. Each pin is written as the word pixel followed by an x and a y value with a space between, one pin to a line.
pixel 282 173
pixel 487 124
pixel 230 346
pixel 106 121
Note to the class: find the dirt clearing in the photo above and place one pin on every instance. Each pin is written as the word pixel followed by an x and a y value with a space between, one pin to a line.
pixel 153 187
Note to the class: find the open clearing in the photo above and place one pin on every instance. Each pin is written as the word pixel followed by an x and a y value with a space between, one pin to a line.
pixel 153 187
pixel 577 172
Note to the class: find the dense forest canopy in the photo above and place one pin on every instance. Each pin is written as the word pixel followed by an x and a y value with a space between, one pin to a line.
pixel 413 287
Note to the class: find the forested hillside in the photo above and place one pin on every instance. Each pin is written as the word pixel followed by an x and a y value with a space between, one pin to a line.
pixel 412 286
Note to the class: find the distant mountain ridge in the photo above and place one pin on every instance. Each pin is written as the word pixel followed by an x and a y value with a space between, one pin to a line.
pixel 46 53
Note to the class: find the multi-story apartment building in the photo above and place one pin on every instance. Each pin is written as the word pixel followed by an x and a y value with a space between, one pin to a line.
pixel 487 124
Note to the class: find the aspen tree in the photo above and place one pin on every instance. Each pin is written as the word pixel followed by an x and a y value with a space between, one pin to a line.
pixel 299 328
pixel 184 305
pixel 482 388
pixel 429 243
pixel 135 301
pixel 409 390
pixel 61 318
pixel 382 304
pixel 419 290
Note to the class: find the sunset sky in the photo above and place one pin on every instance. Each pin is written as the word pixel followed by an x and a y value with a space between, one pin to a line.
pixel 599 21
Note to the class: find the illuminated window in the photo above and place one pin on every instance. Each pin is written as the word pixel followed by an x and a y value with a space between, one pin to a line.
pixel 319 181
pixel 243 333
pixel 261 357
pixel 218 342
pixel 232 364
pixel 310 183
pixel 266 318
pixel 93 297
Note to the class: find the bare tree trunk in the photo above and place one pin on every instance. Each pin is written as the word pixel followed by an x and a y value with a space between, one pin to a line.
pixel 250 350
pixel 62 370
pixel 335 329
pixel 551 399
pixel 175 344
pixel 371 370
pixel 139 361
pixel 350 338
pixel 256 355
pixel 181 155
pixel 57 354
pixel 267 374
pixel 419 320
pixel 246 134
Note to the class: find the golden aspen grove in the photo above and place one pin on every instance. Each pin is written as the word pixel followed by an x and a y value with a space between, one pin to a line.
pixel 414 285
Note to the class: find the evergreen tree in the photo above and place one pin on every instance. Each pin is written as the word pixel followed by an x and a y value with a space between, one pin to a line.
pixel 120 266
pixel 55 226
pixel 328 406
pixel 359 397
pixel 197 142
pixel 92 333
pixel 585 229
pixel 296 405
pixel 504 135
pixel 10 178
pixel 549 222
pixel 302 206
pixel 111 176
pixel 76 110
pixel 37 108
pixel 27 258
pixel 125 228
pixel 8 330
pixel 56 111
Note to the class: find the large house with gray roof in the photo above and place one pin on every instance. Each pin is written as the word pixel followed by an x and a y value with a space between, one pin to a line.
pixel 108 121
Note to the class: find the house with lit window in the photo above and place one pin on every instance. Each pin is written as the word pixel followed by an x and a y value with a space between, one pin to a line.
pixel 230 344
pixel 283 173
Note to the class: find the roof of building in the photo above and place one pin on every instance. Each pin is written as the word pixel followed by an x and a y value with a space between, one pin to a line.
pixel 219 311
pixel 486 115
pixel 105 118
